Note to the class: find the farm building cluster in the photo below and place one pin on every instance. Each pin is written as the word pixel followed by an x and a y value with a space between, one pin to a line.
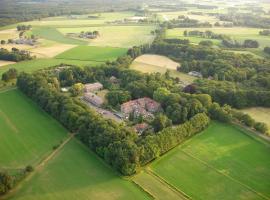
pixel 85 35
pixel 144 107
pixel 90 96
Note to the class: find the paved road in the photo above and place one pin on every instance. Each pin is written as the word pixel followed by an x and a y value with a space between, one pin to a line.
pixel 105 113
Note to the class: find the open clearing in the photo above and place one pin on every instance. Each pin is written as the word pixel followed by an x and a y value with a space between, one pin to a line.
pixel 27 133
pixel 4 62
pixel 259 114
pixel 76 173
pixel 224 163
pixel 116 36
pixel 9 34
pixel 89 53
pixel 156 63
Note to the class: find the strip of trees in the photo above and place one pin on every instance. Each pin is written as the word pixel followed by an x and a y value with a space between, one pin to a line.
pixel 15 55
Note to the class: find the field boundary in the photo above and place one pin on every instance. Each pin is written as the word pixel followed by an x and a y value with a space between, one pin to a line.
pixel 144 190
pixel 38 168
pixel 228 176
pixel 167 184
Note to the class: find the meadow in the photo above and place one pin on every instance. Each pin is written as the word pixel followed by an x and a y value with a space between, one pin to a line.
pixel 77 173
pixel 27 133
pixel 38 64
pixel 89 53
pixel 116 36
pixel 222 162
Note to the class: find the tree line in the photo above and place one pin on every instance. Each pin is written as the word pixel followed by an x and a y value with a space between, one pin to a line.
pixel 15 55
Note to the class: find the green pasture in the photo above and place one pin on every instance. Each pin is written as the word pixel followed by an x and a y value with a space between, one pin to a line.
pixel 27 133
pixel 77 173
pixel 116 36
pixel 237 33
pixel 91 53
pixel 50 33
pixel 220 163
pixel 34 65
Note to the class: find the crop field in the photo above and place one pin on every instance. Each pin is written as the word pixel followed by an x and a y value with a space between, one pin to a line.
pixel 220 163
pixel 27 133
pixel 76 173
pixel 8 34
pixel 82 20
pixel 157 63
pixel 259 114
pixel 116 36
pixel 89 53
pixel 3 63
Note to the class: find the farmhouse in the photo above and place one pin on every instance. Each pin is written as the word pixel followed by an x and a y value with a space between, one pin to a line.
pixel 92 87
pixel 93 99
pixel 140 107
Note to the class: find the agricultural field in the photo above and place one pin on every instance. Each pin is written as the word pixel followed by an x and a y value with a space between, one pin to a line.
pixel 27 133
pixel 156 63
pixel 116 36
pixel 224 163
pixel 89 53
pixel 240 35
pixel 77 173
pixel 259 114
pixel 34 65
pixel 82 20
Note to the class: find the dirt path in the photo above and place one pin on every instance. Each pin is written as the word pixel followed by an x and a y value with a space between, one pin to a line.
pixel 38 168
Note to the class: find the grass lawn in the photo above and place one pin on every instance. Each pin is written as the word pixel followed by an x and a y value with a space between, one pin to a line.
pixel 220 163
pixel 88 53
pixel 260 114
pixel 50 33
pixel 116 36
pixel 27 133
pixel 76 173
pixel 33 65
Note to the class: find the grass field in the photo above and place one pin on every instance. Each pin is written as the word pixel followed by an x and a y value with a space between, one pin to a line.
pixel 116 36
pixel 157 63
pixel 237 33
pixel 89 53
pixel 34 65
pixel 76 173
pixel 27 133
pixel 53 34
pixel 220 163
pixel 259 114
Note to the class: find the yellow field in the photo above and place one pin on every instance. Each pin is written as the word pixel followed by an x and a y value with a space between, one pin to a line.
pixel 259 114
pixel 8 34
pixel 156 63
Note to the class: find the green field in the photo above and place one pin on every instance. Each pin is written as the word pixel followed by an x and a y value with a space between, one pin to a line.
pixel 27 133
pixel 237 33
pixel 116 36
pixel 53 34
pixel 220 163
pixel 76 173
pixel 33 65
pixel 89 53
